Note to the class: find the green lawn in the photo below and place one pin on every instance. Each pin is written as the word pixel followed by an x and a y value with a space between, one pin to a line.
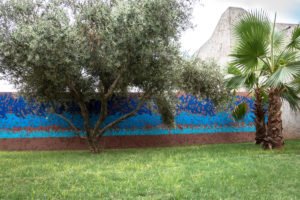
pixel 229 171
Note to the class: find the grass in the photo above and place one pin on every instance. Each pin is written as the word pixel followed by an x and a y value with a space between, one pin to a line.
pixel 228 171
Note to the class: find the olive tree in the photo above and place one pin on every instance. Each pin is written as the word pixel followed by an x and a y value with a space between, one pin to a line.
pixel 205 80
pixel 57 51
pixel 61 50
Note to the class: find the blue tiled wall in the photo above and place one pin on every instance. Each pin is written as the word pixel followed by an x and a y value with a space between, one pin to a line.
pixel 21 119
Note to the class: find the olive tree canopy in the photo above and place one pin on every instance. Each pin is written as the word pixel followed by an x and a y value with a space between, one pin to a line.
pixel 82 50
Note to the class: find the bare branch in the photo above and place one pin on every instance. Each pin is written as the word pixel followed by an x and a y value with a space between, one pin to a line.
pixel 102 116
pixel 84 111
pixel 101 88
pixel 104 100
pixel 73 90
pixel 133 112
pixel 71 124
pixel 113 86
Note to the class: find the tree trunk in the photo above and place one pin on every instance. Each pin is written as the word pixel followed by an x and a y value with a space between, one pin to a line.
pixel 93 143
pixel 274 139
pixel 95 134
pixel 259 118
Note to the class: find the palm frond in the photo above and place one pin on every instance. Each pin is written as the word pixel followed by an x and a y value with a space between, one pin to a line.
pixel 296 85
pixel 295 39
pixel 240 111
pixel 232 69
pixel 278 41
pixel 291 95
pixel 286 56
pixel 244 80
pixel 253 23
pixel 235 82
pixel 252 34
pixel 251 80
pixel 284 75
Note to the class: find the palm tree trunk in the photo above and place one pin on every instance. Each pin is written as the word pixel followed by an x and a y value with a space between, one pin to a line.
pixel 259 117
pixel 274 137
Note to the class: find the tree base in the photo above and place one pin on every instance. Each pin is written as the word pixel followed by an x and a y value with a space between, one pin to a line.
pixel 259 140
pixel 94 145
pixel 273 143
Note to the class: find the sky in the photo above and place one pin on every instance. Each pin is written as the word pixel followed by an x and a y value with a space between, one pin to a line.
pixel 207 13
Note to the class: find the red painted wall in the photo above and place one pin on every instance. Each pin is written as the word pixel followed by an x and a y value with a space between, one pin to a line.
pixel 125 141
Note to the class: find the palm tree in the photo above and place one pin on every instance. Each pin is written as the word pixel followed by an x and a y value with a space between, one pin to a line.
pixel 251 81
pixel 260 44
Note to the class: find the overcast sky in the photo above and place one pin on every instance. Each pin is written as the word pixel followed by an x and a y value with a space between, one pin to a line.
pixel 208 12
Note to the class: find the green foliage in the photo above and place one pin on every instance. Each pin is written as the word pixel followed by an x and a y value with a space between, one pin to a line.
pixel 51 47
pixel 82 50
pixel 238 79
pixel 61 50
pixel 295 40
pixel 284 74
pixel 252 34
pixel 204 80
pixel 239 112
pixel 265 58
pixel 166 104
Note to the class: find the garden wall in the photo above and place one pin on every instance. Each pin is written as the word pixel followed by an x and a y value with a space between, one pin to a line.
pixel 28 126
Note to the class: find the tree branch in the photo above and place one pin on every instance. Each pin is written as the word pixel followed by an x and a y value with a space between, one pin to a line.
pixel 84 111
pixel 113 86
pixel 63 117
pixel 68 121
pixel 133 112
pixel 101 88
pixel 104 100
pixel 102 116
pixel 71 124
pixel 73 90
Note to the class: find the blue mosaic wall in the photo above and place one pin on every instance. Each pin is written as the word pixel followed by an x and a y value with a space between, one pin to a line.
pixel 21 119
